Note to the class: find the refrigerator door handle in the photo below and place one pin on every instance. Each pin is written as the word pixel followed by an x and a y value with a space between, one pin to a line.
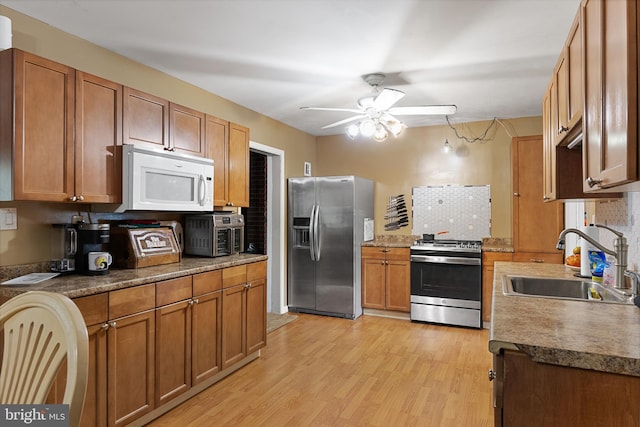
pixel 312 234
pixel 318 237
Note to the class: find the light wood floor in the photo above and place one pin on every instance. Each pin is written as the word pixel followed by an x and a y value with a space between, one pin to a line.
pixel 324 371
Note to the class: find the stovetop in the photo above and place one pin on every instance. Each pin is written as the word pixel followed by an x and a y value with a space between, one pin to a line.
pixel 448 245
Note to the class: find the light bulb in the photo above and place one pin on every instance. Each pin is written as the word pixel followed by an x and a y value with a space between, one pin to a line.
pixel 446 147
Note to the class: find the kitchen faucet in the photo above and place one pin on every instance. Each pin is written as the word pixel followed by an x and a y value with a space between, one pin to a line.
pixel 620 252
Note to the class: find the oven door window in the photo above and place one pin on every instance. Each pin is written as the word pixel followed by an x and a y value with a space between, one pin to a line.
pixel 443 280
pixel 223 242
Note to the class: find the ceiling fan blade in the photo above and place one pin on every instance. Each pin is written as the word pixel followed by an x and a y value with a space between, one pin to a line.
pixel 424 110
pixel 341 122
pixel 349 110
pixel 386 98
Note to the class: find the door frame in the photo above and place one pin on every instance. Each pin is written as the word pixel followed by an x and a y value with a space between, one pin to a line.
pixel 276 239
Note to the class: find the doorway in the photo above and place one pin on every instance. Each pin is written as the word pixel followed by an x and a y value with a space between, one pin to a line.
pixel 265 226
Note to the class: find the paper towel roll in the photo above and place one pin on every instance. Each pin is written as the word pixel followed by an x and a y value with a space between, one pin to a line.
pixel 5 32
pixel 593 232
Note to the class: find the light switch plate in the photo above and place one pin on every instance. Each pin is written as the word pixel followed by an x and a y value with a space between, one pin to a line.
pixel 8 219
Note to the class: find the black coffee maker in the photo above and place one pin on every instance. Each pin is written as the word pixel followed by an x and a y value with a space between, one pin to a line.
pixel 93 241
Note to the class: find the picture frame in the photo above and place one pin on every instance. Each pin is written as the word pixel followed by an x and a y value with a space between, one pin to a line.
pixel 307 169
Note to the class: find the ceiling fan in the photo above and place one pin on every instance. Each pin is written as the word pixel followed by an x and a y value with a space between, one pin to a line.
pixel 376 113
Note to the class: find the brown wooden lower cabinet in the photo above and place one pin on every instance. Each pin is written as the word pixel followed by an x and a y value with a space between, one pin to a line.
pixel 130 367
pixel 168 337
pixel 488 259
pixel 386 278
pixel 206 326
pixel 528 393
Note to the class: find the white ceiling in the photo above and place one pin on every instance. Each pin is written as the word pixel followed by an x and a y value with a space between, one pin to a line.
pixel 492 58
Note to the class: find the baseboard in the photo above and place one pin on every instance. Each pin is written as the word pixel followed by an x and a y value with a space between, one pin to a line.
pixel 391 314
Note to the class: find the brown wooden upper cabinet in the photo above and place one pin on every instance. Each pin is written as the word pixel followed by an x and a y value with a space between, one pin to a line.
pixel 610 74
pixel 567 106
pixel 154 122
pixel 562 119
pixel 64 149
pixel 228 146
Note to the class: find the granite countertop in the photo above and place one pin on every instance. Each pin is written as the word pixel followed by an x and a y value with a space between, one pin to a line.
pixel 392 241
pixel 581 334
pixel 497 244
pixel 76 285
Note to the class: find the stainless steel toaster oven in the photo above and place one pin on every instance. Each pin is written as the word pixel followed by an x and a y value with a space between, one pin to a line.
pixel 213 235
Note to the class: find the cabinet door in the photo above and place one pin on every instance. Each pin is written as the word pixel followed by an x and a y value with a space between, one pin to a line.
pixel 234 325
pixel 256 315
pixel 130 367
pixel 373 283
pixel 98 167
pixel 238 175
pixel 186 130
pixel 488 260
pixel 173 351
pixel 398 285
pixel 549 148
pixel 217 136
pixel 610 144
pixel 560 99
pixel 94 411
pixel 573 53
pixel 536 225
pixel 206 340
pixel 44 153
pixel 145 119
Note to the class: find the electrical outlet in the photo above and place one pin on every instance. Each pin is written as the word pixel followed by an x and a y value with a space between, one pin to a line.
pixel 8 219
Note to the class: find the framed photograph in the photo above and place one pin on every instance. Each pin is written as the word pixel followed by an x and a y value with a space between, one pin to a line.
pixel 307 169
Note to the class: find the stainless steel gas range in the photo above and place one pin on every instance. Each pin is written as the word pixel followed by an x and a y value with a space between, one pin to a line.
pixel 446 282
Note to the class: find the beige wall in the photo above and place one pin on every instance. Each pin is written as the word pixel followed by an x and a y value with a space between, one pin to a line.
pixel 416 158
pixel 396 165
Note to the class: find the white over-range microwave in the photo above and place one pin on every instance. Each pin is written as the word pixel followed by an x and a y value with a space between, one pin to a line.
pixel 165 181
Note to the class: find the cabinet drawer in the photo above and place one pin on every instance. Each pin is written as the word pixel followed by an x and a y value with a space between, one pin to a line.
pixel 375 252
pixel 94 308
pixel 170 291
pixel 256 271
pixel 489 258
pixel 399 254
pixel 204 283
pixel 539 257
pixel 234 276
pixel 132 300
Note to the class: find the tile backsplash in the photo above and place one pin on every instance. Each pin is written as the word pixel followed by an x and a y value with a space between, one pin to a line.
pixel 460 212
pixel 622 215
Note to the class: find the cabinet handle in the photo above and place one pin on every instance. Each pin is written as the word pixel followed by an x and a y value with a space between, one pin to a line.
pixel 229 203
pixel 112 324
pixel 545 198
pixel 104 327
pixel 384 250
pixel 593 182
pixel 73 198
pixel 516 194
pixel 382 263
pixel 196 301
pixel 539 261
pixel 492 375
pixel 563 129
pixel 80 198
pixel 172 149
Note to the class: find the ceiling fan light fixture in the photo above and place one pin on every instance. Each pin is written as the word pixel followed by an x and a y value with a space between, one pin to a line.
pixel 395 127
pixel 352 131
pixel 380 134
pixel 367 128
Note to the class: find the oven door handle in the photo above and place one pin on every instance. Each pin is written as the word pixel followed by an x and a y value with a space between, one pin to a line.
pixel 446 260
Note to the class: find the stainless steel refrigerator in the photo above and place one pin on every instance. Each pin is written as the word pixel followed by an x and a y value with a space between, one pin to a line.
pixel 327 218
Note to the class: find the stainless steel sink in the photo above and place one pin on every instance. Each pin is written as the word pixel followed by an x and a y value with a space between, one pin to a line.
pixel 574 289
